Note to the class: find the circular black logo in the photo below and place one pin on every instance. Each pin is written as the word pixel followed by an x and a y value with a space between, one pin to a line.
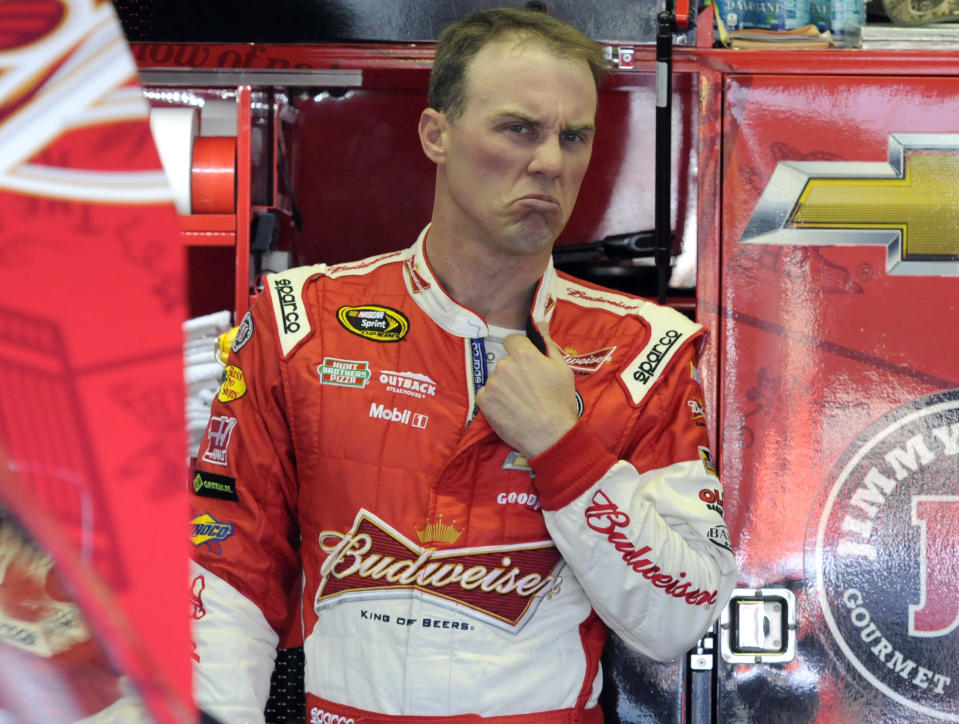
pixel 884 547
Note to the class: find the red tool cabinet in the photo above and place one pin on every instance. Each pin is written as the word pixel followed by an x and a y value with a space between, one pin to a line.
pixel 831 368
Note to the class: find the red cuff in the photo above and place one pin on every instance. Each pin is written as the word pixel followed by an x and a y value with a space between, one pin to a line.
pixel 570 467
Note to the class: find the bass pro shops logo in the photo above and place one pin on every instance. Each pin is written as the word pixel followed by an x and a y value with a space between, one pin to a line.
pixel 885 551
pixel 909 206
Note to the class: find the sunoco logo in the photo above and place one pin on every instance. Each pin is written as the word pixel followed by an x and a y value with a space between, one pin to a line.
pixel 885 554
pixel 381 324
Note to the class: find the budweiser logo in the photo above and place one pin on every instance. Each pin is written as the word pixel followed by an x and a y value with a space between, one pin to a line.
pixel 501 585
pixel 589 362
pixel 417 282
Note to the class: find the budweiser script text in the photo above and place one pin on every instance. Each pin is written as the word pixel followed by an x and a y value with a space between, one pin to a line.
pixel 350 555
pixel 605 517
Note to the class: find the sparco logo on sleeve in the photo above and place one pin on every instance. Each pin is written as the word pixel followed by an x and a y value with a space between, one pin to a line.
pixel 883 545
pixel 380 324
pixel 289 307
pixel 320 716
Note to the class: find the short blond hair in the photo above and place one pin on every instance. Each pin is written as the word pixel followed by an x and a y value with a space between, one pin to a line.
pixel 459 43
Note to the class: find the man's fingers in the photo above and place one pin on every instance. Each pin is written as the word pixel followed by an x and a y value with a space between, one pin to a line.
pixel 553 350
pixel 515 343
pixel 519 344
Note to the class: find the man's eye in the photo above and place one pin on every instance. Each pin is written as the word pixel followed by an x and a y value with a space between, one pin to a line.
pixel 517 128
pixel 573 137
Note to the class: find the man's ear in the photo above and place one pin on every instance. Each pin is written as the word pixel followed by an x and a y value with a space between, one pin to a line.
pixel 433 137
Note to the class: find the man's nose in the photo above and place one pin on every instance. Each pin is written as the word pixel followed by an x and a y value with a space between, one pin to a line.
pixel 548 158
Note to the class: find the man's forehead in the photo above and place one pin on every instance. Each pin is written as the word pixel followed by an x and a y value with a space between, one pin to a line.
pixel 513 48
pixel 498 68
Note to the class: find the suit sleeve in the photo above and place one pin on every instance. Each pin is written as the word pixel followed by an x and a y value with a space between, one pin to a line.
pixel 643 531
pixel 246 560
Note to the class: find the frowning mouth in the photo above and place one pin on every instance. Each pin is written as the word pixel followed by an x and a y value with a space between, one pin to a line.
pixel 539 202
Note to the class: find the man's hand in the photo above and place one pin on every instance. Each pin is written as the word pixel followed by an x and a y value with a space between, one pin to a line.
pixel 530 399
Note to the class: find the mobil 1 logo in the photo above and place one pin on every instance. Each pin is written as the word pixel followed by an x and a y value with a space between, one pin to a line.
pixel 884 548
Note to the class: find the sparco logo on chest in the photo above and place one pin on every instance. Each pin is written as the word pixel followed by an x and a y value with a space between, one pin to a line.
pixel 289 307
pixel 500 585
pixel 647 368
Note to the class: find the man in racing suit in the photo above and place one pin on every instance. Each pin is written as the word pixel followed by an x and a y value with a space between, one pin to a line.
pixel 463 464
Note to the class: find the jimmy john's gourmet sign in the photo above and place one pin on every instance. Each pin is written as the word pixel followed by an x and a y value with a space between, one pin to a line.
pixel 886 556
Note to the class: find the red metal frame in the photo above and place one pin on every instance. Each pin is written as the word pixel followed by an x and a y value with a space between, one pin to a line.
pixel 403 64
pixel 398 57
pixel 244 211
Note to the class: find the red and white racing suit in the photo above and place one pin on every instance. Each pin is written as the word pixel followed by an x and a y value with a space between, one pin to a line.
pixel 441 573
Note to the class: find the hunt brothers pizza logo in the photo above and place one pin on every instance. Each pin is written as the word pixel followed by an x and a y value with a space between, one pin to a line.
pixel 499 585
pixel 885 555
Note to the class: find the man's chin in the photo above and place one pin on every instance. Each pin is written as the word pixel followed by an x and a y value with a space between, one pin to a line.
pixel 534 234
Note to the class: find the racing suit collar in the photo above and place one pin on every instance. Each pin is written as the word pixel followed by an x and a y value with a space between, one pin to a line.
pixel 429 295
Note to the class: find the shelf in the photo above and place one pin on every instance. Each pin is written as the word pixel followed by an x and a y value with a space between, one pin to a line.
pixel 200 223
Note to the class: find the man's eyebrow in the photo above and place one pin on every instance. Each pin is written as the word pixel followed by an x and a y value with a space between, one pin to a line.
pixel 535 123
pixel 508 114
pixel 581 128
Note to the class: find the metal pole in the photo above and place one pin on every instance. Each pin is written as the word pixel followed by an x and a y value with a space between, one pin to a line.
pixel 664 122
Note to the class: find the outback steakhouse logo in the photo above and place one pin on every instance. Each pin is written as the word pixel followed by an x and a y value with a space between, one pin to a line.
pixel 380 324
pixel 885 555
pixel 500 585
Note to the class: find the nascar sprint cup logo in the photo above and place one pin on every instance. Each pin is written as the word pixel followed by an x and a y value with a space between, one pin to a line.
pixel 885 550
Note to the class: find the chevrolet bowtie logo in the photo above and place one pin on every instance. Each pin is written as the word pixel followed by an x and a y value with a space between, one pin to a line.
pixel 910 205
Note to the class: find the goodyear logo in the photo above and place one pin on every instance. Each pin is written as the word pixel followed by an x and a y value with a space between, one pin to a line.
pixel 233 386
pixel 207 529
pixel 908 206
pixel 380 324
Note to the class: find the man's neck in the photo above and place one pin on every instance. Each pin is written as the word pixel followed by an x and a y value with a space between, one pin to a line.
pixel 498 287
